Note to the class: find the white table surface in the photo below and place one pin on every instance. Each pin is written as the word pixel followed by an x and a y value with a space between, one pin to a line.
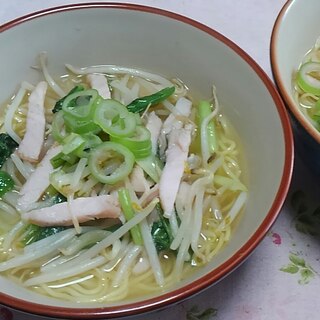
pixel 268 286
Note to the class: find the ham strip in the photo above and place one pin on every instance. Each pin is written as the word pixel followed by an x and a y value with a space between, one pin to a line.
pixel 32 142
pixel 176 156
pixel 83 209
pixel 154 125
pixel 38 181
pixel 100 83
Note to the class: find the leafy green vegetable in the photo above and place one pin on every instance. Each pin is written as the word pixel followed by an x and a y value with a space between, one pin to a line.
pixel 52 194
pixel 7 145
pixel 6 183
pixel 161 232
pixel 59 103
pixel 59 198
pixel 35 233
pixel 141 104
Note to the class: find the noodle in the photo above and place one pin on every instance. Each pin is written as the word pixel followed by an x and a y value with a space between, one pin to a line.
pixel 99 260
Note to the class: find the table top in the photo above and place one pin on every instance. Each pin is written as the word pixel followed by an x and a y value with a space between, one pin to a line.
pixel 280 280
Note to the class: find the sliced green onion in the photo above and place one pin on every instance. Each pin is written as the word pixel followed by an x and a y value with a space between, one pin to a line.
pixel 91 141
pixel 61 182
pixel 308 77
pixel 110 162
pixel 60 159
pixel 126 205
pixel 204 110
pixel 114 119
pixel 59 103
pixel 139 144
pixel 141 104
pixel 72 143
pixel 78 110
pixel 58 127
pixel 80 126
pixel 57 161
pixel 81 105
pixel 70 158
pixel 138 119
pixel 316 112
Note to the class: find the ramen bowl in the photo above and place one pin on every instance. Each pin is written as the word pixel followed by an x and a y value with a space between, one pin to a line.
pixel 174 46
pixel 287 53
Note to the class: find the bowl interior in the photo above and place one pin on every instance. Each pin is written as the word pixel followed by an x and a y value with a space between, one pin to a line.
pixel 295 33
pixel 175 48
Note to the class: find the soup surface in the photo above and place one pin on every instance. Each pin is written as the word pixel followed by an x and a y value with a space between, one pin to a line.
pixel 114 183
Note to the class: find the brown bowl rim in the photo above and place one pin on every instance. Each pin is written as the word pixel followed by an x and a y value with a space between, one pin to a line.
pixel 287 96
pixel 228 266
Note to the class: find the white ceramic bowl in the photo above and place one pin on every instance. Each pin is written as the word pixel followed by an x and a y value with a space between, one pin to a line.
pixel 172 45
pixel 295 32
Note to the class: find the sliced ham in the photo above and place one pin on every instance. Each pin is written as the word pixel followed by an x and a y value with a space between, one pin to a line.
pixel 38 181
pixel 176 156
pixel 154 125
pixel 32 142
pixel 138 181
pixel 100 83
pixel 183 108
pixel 83 209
